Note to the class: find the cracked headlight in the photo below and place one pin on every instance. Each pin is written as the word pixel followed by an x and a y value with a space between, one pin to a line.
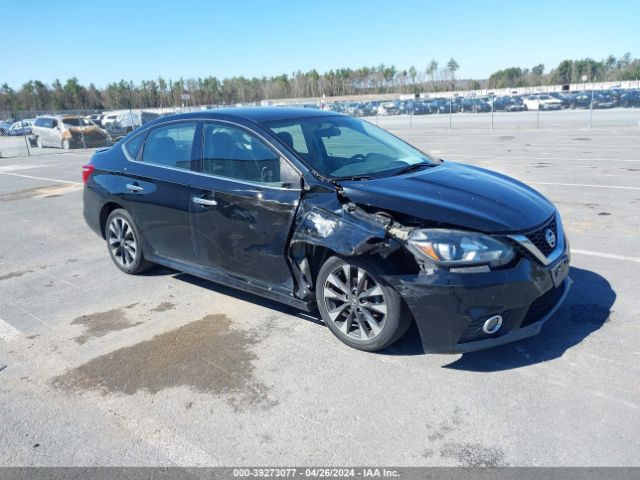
pixel 454 249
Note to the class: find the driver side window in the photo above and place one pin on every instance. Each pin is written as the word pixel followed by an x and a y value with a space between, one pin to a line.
pixel 234 153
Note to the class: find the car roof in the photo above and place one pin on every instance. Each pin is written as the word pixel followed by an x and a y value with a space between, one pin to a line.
pixel 255 114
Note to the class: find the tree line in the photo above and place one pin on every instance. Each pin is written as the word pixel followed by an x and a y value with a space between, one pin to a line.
pixel 36 96
pixel 569 71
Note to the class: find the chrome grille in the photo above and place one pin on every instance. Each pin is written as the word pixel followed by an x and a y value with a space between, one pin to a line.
pixel 538 237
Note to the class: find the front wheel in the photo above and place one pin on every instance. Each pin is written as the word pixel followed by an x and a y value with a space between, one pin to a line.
pixel 358 307
pixel 123 242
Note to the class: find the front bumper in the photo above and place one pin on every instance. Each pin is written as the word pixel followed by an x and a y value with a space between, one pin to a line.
pixel 450 308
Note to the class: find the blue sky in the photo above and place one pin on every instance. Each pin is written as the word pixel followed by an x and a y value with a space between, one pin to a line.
pixel 104 41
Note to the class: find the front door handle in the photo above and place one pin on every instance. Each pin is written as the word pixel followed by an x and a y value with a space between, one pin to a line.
pixel 209 202
pixel 134 188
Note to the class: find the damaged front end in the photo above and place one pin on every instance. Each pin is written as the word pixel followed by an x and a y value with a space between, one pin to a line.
pixel 450 301
pixel 342 228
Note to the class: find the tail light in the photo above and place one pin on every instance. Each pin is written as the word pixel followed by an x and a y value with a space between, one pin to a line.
pixel 87 170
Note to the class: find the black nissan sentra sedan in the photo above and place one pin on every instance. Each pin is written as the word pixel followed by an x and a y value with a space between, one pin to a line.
pixel 320 210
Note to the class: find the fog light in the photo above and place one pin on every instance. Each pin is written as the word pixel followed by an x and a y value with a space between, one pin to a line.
pixel 492 325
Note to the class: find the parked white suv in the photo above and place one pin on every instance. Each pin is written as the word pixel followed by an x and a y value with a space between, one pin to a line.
pixel 542 102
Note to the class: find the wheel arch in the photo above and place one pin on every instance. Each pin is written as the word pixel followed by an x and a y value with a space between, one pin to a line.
pixel 105 211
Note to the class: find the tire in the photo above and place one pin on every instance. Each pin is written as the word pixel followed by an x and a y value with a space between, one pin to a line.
pixel 65 144
pixel 120 228
pixel 371 315
pixel 39 142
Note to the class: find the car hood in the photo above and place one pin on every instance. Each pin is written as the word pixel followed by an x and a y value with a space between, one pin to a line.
pixel 458 195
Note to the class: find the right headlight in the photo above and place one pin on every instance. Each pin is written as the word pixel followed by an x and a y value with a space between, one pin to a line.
pixel 456 249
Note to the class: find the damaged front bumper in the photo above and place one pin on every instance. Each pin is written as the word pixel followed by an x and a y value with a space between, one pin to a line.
pixel 450 309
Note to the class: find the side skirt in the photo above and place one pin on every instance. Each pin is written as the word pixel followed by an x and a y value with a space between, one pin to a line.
pixel 256 287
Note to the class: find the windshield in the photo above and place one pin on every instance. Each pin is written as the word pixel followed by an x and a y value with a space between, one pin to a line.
pixel 345 147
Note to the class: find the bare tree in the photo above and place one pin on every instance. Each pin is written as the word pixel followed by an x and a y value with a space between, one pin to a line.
pixel 432 70
pixel 452 66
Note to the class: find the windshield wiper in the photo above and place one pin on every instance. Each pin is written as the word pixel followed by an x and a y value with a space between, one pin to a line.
pixel 413 168
pixel 352 177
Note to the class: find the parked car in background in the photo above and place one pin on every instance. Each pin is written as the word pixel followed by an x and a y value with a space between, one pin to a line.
pixel 420 107
pixel 630 98
pixel 508 104
pixel 68 131
pixel 336 107
pixel 128 121
pixel 108 118
pixel 604 99
pixel 361 109
pixel 21 127
pixel 388 108
pixel 443 105
pixel 96 118
pixel 596 99
pixel 474 105
pixel 564 97
pixel 4 127
pixel 542 102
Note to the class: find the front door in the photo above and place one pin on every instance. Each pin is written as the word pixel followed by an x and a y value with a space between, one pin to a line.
pixel 243 204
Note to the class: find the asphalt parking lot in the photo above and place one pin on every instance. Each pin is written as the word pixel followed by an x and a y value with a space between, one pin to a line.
pixel 166 369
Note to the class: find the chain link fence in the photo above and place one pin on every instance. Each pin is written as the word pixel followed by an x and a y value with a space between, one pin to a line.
pixel 581 106
pixel 28 133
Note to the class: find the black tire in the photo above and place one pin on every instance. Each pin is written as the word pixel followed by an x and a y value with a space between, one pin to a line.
pixel 130 259
pixel 363 310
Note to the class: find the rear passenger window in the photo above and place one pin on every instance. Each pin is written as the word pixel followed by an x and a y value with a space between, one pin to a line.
pixel 234 153
pixel 170 145
pixel 133 146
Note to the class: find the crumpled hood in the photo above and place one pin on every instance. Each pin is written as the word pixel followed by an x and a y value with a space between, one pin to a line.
pixel 456 194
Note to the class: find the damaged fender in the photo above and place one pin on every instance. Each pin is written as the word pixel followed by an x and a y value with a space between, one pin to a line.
pixel 347 230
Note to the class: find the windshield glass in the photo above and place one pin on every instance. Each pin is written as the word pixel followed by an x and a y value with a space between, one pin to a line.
pixel 344 147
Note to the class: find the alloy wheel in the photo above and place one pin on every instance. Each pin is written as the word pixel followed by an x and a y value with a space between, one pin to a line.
pixel 355 302
pixel 122 242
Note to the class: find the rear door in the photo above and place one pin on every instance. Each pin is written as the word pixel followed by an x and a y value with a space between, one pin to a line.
pixel 242 205
pixel 157 188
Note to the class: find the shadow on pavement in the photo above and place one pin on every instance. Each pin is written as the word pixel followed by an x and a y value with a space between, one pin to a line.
pixel 585 310
pixel 239 294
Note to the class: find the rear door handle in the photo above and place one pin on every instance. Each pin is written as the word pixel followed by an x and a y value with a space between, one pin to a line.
pixel 134 188
pixel 209 202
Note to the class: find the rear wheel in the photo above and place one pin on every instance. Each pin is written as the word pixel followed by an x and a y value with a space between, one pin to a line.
pixel 358 307
pixel 123 242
